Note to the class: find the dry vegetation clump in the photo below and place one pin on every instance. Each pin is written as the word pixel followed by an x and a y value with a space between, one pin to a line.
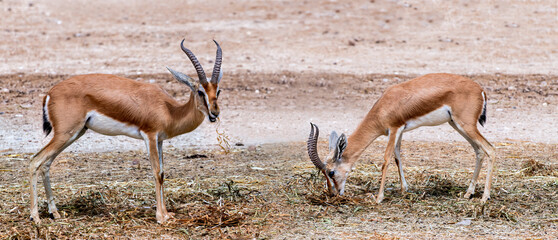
pixel 533 167
pixel 214 216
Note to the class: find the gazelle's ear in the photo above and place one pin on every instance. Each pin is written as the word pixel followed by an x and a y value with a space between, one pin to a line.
pixel 341 145
pixel 333 140
pixel 183 78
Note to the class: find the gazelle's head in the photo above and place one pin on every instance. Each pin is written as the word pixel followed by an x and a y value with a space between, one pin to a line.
pixel 206 90
pixel 336 168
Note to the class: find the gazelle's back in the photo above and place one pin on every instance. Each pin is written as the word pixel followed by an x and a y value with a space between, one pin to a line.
pixel 118 98
pixel 426 94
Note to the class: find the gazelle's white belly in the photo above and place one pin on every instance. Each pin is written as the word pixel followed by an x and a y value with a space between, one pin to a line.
pixel 109 126
pixel 436 117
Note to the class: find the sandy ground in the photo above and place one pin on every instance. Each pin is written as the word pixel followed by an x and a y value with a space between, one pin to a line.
pixel 287 63
pixel 408 37
pixel 283 54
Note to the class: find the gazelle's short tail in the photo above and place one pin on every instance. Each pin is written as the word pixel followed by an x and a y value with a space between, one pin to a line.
pixel 47 127
pixel 482 117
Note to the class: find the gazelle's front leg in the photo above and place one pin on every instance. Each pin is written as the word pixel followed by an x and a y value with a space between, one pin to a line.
pixel 154 149
pixel 393 135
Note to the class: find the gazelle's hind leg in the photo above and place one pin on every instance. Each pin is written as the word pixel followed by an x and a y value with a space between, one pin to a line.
pixel 46 176
pixel 42 161
pixel 482 148
pixel 479 158
pixel 490 151
pixel 404 185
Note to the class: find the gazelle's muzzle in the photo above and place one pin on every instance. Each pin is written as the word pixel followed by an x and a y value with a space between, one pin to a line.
pixel 213 114
pixel 212 118
pixel 213 110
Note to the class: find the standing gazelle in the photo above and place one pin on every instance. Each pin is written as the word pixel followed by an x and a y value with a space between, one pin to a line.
pixel 429 100
pixel 113 105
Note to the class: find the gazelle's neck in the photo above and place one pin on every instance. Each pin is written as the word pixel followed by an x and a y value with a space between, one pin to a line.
pixel 186 117
pixel 366 132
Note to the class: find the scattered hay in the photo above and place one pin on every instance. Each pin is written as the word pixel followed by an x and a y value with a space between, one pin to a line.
pixel 533 167
pixel 219 216
pixel 222 138
pixel 324 200
pixel 230 190
pixel 442 185
pixel 227 199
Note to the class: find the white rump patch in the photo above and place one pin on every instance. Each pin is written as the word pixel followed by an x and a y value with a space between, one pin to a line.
pixel 108 126
pixel 45 107
pixel 434 118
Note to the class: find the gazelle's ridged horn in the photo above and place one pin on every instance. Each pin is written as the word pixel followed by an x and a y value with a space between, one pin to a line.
pixel 216 76
pixel 197 65
pixel 312 148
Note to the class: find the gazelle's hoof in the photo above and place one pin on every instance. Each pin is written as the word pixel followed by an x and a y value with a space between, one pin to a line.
pixel 165 217
pixel 54 215
pixel 485 199
pixel 404 188
pixel 468 195
pixel 379 198
pixel 36 219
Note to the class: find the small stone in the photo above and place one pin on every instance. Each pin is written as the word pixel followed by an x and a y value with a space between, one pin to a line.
pixel 465 222
pixel 135 162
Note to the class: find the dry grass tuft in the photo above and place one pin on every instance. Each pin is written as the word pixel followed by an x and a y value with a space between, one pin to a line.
pixel 533 167
pixel 215 216
pixel 324 200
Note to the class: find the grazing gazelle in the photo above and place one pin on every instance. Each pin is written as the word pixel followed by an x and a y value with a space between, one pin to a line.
pixel 113 105
pixel 429 100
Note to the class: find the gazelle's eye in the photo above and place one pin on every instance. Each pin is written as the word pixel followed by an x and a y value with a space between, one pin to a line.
pixel 331 174
pixel 200 93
